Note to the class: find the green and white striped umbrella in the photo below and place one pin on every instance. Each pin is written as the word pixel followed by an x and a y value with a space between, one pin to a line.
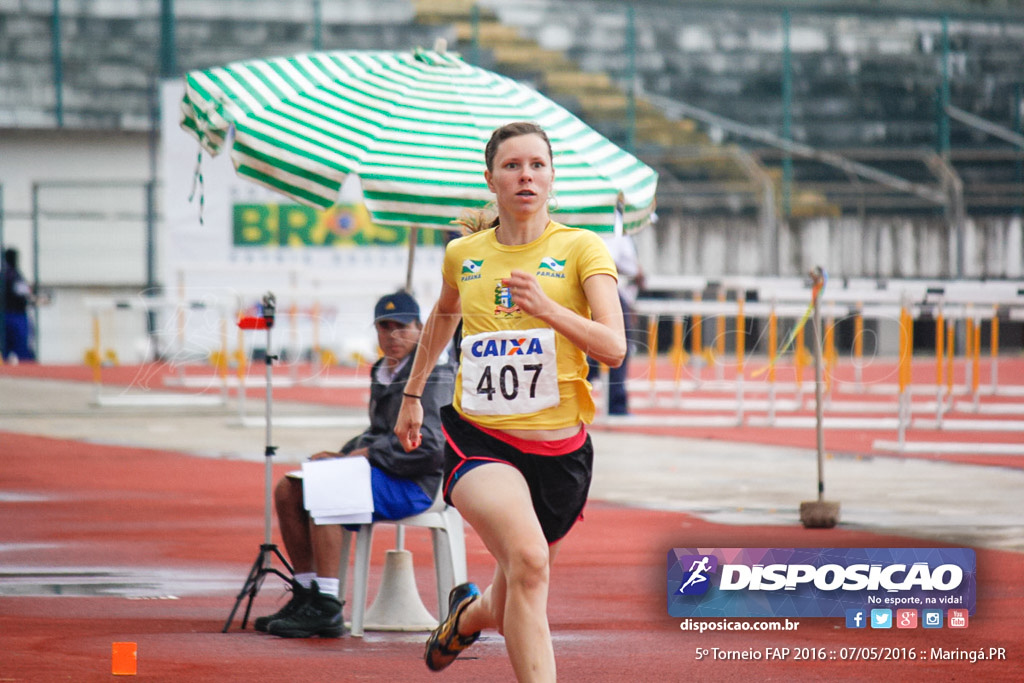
pixel 411 125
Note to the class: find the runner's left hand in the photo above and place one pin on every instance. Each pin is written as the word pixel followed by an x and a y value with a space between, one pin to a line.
pixel 527 293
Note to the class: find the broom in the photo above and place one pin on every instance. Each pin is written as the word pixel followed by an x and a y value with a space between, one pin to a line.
pixel 818 514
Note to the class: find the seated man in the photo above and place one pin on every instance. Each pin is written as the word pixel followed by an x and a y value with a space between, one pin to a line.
pixel 403 483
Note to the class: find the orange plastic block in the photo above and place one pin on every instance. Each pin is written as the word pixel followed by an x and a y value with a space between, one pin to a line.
pixel 124 658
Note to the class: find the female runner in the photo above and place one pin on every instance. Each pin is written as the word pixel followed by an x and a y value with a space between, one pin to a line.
pixel 535 298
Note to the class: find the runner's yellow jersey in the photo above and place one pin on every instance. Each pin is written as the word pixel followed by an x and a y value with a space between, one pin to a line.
pixel 561 258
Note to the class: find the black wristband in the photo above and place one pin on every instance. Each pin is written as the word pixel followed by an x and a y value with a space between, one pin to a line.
pixel 408 395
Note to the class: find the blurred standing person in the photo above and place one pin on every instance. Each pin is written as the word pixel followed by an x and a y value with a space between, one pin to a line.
pixel 17 295
pixel 631 279
pixel 535 298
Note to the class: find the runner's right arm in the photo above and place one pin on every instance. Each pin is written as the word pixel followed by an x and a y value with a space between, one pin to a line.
pixel 437 333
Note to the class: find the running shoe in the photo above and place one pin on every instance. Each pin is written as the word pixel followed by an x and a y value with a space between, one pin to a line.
pixel 445 643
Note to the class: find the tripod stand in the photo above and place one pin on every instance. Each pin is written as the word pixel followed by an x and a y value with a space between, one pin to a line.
pixel 262 566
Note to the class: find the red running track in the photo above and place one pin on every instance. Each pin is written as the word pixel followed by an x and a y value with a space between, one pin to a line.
pixel 856 442
pixel 84 506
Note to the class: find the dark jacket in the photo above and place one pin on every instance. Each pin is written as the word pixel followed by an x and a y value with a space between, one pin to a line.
pixel 16 290
pixel 422 465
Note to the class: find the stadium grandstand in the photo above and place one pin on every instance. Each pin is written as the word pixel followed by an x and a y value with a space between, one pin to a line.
pixel 882 138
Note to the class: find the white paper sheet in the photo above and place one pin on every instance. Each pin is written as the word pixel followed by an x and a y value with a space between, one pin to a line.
pixel 337 490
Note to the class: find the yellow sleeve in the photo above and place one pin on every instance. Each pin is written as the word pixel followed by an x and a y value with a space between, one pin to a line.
pixel 594 257
pixel 449 270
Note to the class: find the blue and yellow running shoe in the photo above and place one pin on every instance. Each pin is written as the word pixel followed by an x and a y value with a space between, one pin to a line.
pixel 445 643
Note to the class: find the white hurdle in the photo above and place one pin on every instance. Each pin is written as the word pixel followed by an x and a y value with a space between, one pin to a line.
pixel 957 307
pixel 137 395
pixel 309 318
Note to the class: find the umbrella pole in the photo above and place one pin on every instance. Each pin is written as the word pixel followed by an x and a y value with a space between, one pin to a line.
pixel 413 236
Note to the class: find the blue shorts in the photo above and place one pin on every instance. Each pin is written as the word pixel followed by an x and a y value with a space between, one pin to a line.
pixel 394 497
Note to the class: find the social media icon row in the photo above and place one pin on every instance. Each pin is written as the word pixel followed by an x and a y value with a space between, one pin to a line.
pixel 905 618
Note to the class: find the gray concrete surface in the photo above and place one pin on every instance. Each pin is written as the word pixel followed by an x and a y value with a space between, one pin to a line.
pixel 730 483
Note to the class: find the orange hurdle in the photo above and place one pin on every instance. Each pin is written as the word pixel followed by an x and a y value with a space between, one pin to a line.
pixel 906 354
pixel 858 343
pixel 697 333
pixel 720 336
pixel 994 351
pixel 652 352
pixel 939 360
pixel 976 362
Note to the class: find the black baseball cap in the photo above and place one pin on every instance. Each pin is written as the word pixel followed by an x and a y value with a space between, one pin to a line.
pixel 399 306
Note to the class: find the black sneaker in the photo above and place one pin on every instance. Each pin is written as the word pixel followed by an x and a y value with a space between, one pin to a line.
pixel 300 596
pixel 320 616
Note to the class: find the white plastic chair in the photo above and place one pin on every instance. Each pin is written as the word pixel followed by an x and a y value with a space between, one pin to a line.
pixel 449 541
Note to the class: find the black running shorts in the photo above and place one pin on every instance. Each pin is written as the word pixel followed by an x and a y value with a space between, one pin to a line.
pixel 558 483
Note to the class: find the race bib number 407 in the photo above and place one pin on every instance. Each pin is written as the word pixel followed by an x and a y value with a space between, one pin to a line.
pixel 511 372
